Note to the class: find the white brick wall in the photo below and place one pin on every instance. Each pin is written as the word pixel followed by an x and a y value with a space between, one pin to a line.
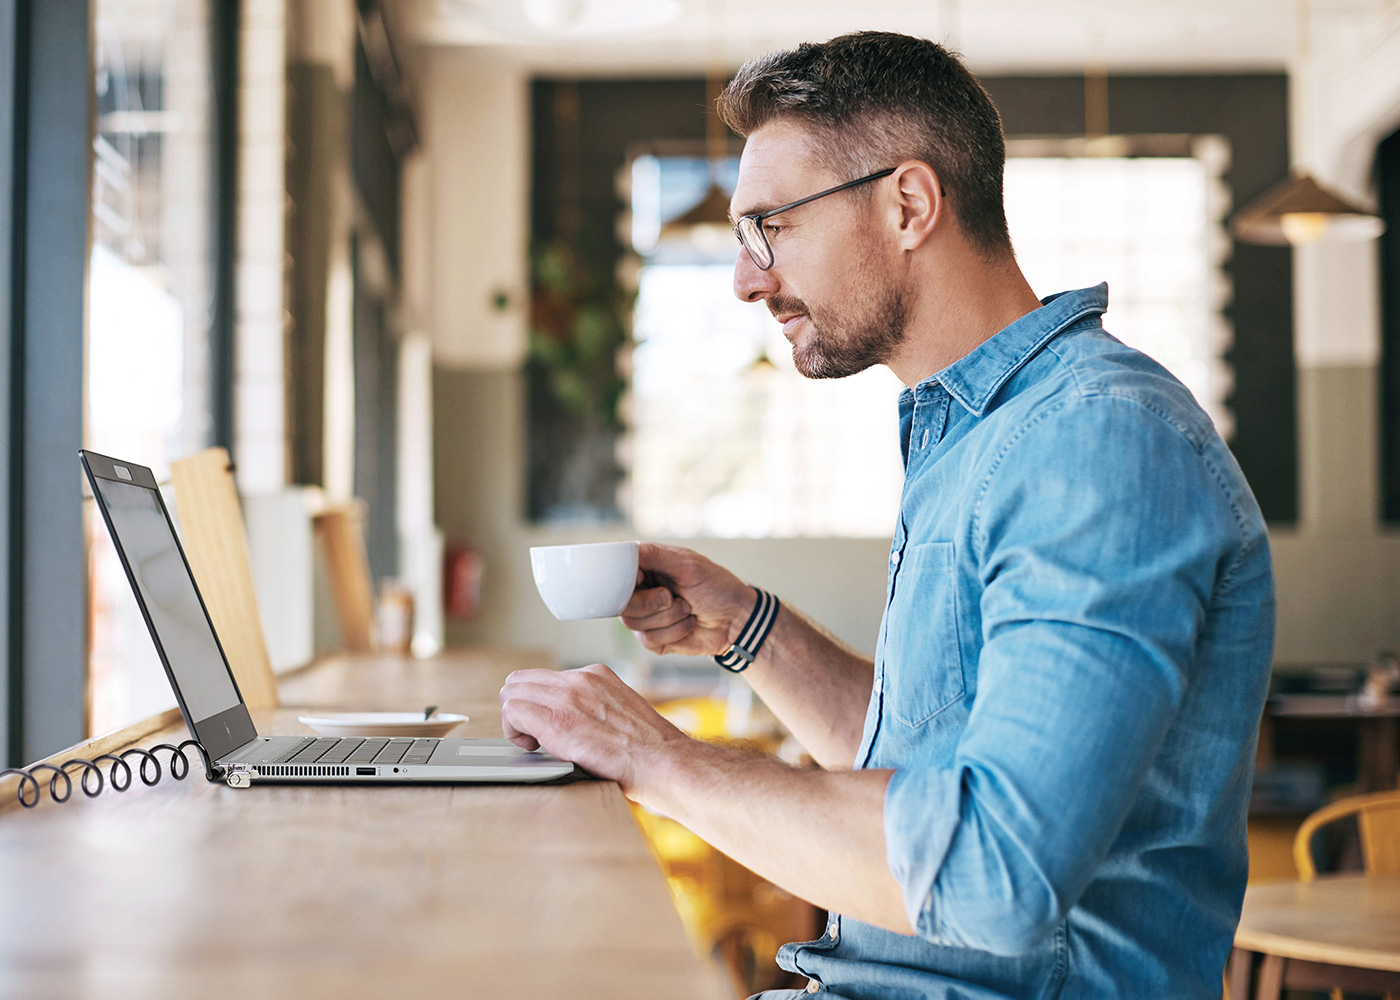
pixel 260 426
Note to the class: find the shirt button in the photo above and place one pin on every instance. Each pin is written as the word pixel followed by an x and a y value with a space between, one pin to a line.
pixel 924 440
pixel 894 558
pixel 813 986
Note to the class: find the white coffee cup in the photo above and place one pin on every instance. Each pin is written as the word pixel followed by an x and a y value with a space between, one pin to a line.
pixel 595 580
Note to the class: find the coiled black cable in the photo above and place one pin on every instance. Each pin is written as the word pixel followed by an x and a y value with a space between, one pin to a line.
pixel 119 774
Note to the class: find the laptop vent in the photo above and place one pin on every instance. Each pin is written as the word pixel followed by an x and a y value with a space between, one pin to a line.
pixel 301 771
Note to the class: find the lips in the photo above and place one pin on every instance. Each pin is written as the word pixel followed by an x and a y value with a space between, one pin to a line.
pixel 789 322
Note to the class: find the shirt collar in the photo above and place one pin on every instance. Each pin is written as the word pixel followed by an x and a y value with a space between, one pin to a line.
pixel 974 379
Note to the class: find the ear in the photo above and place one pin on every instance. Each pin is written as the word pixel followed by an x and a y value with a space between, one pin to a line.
pixel 918 203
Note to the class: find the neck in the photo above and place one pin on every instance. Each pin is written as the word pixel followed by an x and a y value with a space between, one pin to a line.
pixel 956 302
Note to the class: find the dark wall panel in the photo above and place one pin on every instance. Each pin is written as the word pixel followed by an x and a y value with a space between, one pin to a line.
pixel 1388 173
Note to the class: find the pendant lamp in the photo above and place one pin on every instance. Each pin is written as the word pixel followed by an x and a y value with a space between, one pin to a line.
pixel 706 223
pixel 1299 210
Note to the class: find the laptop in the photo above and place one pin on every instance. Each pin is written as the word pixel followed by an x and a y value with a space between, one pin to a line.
pixel 160 577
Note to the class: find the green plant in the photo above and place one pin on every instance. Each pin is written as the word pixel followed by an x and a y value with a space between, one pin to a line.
pixel 579 321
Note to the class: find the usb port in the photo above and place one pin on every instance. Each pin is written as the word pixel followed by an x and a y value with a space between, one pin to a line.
pixel 365 770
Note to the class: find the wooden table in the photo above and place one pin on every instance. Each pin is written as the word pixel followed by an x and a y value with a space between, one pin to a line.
pixel 195 889
pixel 1311 933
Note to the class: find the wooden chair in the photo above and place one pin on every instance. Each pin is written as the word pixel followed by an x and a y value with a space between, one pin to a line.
pixel 216 544
pixel 341 532
pixel 1378 820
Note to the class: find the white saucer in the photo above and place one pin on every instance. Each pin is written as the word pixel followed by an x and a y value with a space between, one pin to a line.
pixel 382 723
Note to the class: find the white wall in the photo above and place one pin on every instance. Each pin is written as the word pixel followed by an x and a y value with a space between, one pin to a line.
pixel 1339 570
pixel 475 133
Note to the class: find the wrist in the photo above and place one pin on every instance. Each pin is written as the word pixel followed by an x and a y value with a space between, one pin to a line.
pixel 744 648
pixel 737 611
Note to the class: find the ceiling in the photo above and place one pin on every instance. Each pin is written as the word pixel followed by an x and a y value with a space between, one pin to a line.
pixel 995 36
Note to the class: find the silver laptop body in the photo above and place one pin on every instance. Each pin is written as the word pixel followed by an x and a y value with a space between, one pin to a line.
pixel 189 648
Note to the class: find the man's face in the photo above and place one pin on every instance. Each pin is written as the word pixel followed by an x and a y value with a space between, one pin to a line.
pixel 831 283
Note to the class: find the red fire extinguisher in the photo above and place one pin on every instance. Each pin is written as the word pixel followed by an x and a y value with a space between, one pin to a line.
pixel 461 582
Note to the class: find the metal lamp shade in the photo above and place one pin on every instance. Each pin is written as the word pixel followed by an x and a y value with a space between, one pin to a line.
pixel 1299 210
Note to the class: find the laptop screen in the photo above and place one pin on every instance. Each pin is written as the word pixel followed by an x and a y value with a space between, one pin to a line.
pixel 166 588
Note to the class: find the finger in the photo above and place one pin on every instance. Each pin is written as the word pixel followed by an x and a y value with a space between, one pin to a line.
pixel 658 640
pixel 649 601
pixel 661 561
pixel 542 680
pixel 524 742
pixel 523 723
pixel 550 697
pixel 536 676
pixel 676 612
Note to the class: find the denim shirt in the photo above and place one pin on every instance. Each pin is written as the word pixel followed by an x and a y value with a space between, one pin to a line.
pixel 1069 678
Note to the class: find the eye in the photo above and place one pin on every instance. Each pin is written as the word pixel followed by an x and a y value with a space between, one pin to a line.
pixel 772 228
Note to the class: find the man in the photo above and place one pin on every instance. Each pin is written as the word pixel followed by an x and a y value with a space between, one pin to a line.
pixel 1038 786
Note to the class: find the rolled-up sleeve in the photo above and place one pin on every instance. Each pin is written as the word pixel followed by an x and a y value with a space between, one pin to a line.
pixel 1098 541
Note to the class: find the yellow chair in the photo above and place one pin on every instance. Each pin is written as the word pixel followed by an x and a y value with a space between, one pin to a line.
pixel 1378 819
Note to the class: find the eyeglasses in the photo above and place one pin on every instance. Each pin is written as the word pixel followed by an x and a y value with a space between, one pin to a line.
pixel 749 230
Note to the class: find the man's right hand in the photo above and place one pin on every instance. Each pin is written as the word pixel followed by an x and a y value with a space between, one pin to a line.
pixel 684 603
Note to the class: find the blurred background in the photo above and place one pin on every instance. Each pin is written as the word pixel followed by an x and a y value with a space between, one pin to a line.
pixel 463 264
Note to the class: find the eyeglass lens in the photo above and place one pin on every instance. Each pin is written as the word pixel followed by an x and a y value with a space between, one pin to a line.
pixel 750 233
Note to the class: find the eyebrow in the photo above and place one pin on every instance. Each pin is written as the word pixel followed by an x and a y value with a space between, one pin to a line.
pixel 758 209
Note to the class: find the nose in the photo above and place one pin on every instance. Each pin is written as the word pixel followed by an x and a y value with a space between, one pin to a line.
pixel 750 283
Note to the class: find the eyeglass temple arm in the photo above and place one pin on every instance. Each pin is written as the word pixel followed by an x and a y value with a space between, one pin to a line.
pixel 821 194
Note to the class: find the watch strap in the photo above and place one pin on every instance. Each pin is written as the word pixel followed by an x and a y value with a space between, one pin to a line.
pixel 743 650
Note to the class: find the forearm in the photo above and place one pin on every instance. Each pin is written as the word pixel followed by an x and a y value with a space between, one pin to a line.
pixel 818 834
pixel 816 685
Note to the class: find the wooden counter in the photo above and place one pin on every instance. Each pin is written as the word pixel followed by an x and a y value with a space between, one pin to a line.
pixel 192 889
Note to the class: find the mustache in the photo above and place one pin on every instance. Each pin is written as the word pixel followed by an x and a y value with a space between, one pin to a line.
pixel 782 305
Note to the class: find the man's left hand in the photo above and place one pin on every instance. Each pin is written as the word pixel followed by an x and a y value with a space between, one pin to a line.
pixel 590 717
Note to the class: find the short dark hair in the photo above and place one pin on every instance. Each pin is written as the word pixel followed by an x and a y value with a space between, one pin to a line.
pixel 873 99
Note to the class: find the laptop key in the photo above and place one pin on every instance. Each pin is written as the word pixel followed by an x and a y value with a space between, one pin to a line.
pixel 314 751
pixel 391 753
pixel 339 753
pixel 291 751
pixel 366 751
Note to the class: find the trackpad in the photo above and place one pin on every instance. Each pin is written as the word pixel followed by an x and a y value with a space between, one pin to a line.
pixel 503 749
pixel 466 752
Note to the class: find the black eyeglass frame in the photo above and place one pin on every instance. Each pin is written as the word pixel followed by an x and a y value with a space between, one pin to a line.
pixel 754 221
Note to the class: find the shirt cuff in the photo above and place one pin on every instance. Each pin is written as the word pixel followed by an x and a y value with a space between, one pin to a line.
pixel 922 811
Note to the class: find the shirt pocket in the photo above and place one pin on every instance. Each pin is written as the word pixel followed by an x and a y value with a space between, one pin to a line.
pixel 922 654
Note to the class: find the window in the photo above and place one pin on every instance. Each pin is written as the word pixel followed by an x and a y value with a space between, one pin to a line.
pixel 150 294
pixel 1153 228
pixel 730 441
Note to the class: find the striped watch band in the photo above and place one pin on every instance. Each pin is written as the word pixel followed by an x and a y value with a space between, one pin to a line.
pixel 738 656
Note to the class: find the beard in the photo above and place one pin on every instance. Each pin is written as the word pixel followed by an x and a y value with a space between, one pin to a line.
pixel 847 341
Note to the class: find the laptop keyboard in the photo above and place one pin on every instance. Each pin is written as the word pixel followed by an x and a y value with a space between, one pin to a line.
pixel 354 750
